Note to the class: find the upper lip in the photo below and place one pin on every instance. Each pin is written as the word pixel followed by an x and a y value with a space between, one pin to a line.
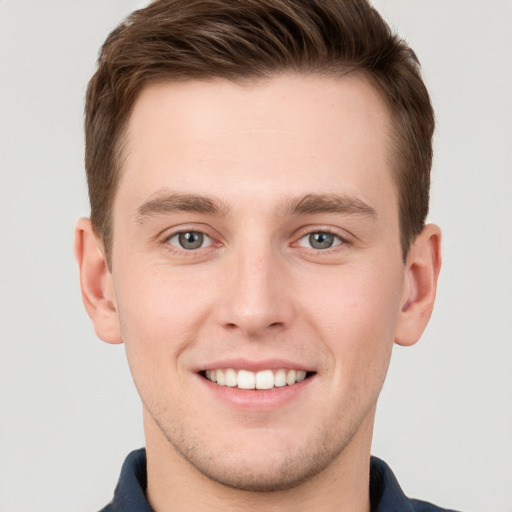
pixel 253 365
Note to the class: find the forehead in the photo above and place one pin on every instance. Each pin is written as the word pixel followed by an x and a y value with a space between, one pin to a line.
pixel 295 132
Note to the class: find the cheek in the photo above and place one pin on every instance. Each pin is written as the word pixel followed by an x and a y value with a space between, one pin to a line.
pixel 160 318
pixel 356 313
pixel 365 299
pixel 160 315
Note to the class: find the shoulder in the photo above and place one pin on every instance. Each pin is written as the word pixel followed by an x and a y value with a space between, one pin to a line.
pixel 424 506
pixel 387 496
pixel 130 493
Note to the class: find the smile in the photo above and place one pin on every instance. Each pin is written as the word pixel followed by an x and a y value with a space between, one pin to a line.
pixel 264 379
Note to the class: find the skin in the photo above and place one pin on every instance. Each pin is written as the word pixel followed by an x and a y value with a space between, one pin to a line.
pixel 257 291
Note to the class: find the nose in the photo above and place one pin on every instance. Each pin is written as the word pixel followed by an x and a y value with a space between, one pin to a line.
pixel 255 298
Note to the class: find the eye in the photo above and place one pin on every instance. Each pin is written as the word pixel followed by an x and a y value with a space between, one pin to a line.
pixel 190 240
pixel 320 240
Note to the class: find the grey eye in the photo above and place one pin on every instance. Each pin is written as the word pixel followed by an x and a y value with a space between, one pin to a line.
pixel 320 240
pixel 190 240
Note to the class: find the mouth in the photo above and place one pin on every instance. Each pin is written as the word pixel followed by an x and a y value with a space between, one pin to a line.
pixel 260 380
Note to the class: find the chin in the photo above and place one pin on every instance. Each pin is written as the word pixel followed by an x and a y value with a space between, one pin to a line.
pixel 263 466
pixel 273 476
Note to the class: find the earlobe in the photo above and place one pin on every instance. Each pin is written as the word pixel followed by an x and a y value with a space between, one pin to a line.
pixel 96 283
pixel 420 284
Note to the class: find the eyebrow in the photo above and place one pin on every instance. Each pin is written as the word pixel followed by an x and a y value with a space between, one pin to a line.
pixel 327 203
pixel 165 203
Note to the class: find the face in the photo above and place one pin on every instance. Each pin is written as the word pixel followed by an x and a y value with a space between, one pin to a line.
pixel 256 244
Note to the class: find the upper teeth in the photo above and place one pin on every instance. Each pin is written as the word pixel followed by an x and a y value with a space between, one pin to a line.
pixel 265 379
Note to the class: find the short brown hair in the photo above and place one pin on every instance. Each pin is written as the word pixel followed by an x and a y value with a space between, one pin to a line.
pixel 249 39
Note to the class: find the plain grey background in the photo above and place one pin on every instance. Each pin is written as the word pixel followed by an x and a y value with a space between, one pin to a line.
pixel 69 411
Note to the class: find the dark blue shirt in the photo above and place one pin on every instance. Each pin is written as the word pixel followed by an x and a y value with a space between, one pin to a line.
pixel 385 493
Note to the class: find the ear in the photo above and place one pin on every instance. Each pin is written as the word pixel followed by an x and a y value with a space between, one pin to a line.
pixel 96 283
pixel 420 284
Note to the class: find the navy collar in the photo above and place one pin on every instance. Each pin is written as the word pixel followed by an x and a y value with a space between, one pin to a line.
pixel 385 492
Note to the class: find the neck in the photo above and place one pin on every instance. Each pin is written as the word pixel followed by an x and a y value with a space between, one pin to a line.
pixel 174 484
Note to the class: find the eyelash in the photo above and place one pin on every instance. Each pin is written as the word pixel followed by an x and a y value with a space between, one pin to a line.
pixel 176 247
pixel 338 240
pixel 167 241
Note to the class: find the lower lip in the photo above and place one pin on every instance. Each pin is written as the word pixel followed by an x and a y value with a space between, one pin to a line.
pixel 255 399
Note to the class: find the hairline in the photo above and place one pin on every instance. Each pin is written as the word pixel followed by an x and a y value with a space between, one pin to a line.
pixel 396 141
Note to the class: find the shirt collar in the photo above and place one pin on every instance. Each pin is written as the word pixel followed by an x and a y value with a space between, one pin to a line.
pixel 130 493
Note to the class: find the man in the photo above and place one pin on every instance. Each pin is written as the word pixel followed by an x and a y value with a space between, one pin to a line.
pixel 258 174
